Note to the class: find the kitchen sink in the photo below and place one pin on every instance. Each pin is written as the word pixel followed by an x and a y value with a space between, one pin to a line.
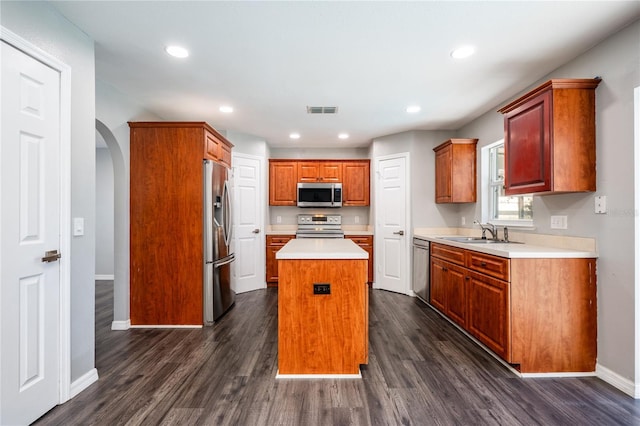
pixel 478 240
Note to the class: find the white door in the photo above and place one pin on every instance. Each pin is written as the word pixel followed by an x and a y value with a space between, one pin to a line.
pixel 392 236
pixel 248 199
pixel 29 226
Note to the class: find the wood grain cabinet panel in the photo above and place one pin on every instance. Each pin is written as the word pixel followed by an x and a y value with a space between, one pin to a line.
pixel 166 216
pixel 456 171
pixel 283 178
pixel 322 333
pixel 448 290
pixel 274 243
pixel 550 139
pixel 489 314
pixel 355 183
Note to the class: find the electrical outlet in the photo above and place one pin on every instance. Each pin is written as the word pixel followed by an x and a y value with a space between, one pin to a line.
pixel 278 219
pixel 463 220
pixel 357 219
pixel 321 288
pixel 558 222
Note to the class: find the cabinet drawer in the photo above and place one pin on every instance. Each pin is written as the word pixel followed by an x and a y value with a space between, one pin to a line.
pixel 361 240
pixel 487 264
pixel 450 253
pixel 279 239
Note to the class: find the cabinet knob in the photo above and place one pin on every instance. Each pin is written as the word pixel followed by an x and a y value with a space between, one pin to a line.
pixel 483 263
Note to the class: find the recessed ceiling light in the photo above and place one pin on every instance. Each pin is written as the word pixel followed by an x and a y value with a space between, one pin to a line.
pixel 343 136
pixel 177 51
pixel 463 52
pixel 294 135
pixel 226 109
pixel 412 109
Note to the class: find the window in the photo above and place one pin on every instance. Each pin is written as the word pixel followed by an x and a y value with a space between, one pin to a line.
pixel 516 209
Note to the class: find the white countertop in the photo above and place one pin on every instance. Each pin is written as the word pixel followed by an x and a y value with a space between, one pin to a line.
pixel 513 250
pixel 321 248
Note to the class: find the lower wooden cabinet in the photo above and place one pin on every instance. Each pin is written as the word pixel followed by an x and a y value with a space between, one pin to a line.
pixel 366 243
pixel 274 243
pixel 448 290
pixel 488 317
pixel 537 314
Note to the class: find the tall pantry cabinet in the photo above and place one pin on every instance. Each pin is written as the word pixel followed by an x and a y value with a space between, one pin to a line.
pixel 166 219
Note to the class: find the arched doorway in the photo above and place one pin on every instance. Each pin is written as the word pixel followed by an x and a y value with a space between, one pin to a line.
pixel 120 230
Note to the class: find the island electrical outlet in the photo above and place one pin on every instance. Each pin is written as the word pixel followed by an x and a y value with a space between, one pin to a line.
pixel 321 288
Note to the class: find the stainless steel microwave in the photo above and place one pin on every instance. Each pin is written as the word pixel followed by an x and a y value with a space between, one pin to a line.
pixel 319 195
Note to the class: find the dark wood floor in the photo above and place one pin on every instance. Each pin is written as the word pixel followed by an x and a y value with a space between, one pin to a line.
pixel 421 371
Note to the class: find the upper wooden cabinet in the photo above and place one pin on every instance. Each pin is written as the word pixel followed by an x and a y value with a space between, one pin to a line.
pixel 319 171
pixel 355 183
pixel 283 176
pixel 550 142
pixel 216 147
pixel 456 171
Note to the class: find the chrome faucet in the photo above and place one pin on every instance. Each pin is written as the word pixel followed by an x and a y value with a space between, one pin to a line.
pixel 487 227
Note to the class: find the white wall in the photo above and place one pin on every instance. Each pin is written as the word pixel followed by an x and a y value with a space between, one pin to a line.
pixel 41 25
pixel 617 61
pixel 104 213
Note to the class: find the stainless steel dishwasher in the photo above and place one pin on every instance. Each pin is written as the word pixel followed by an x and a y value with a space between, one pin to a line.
pixel 421 282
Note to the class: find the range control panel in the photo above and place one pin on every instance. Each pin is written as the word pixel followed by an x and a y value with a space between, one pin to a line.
pixel 319 219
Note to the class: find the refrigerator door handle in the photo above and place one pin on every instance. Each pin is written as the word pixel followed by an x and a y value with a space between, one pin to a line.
pixel 226 218
pixel 225 261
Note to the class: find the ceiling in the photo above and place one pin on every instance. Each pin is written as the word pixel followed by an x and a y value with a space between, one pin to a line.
pixel 271 60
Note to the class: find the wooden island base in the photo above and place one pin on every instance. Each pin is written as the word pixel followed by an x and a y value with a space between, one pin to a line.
pixel 322 334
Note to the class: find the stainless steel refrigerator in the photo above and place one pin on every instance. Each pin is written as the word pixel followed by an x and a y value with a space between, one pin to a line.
pixel 218 295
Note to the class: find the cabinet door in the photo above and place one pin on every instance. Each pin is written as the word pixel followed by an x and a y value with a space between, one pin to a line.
pixel 211 147
pixel 355 187
pixel 308 171
pixel 527 146
pixel 443 175
pixel 282 183
pixel 437 297
pixel 225 154
pixel 456 294
pixel 489 313
pixel 330 172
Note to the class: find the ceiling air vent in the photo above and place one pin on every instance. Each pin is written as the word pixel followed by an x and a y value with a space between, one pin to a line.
pixel 322 110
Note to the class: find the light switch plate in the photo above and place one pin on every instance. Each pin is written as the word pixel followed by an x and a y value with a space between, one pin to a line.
pixel 601 204
pixel 78 226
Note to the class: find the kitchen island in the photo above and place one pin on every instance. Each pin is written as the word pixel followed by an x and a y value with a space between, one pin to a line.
pixel 322 308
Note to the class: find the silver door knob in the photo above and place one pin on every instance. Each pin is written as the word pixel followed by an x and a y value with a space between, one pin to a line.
pixel 256 231
pixel 399 233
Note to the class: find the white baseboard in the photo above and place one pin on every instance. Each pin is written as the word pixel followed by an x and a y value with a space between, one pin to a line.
pixel 83 382
pixel 104 277
pixel 616 380
pixel 121 325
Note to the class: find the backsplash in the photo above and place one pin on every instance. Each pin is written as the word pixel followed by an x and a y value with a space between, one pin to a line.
pixel 289 215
